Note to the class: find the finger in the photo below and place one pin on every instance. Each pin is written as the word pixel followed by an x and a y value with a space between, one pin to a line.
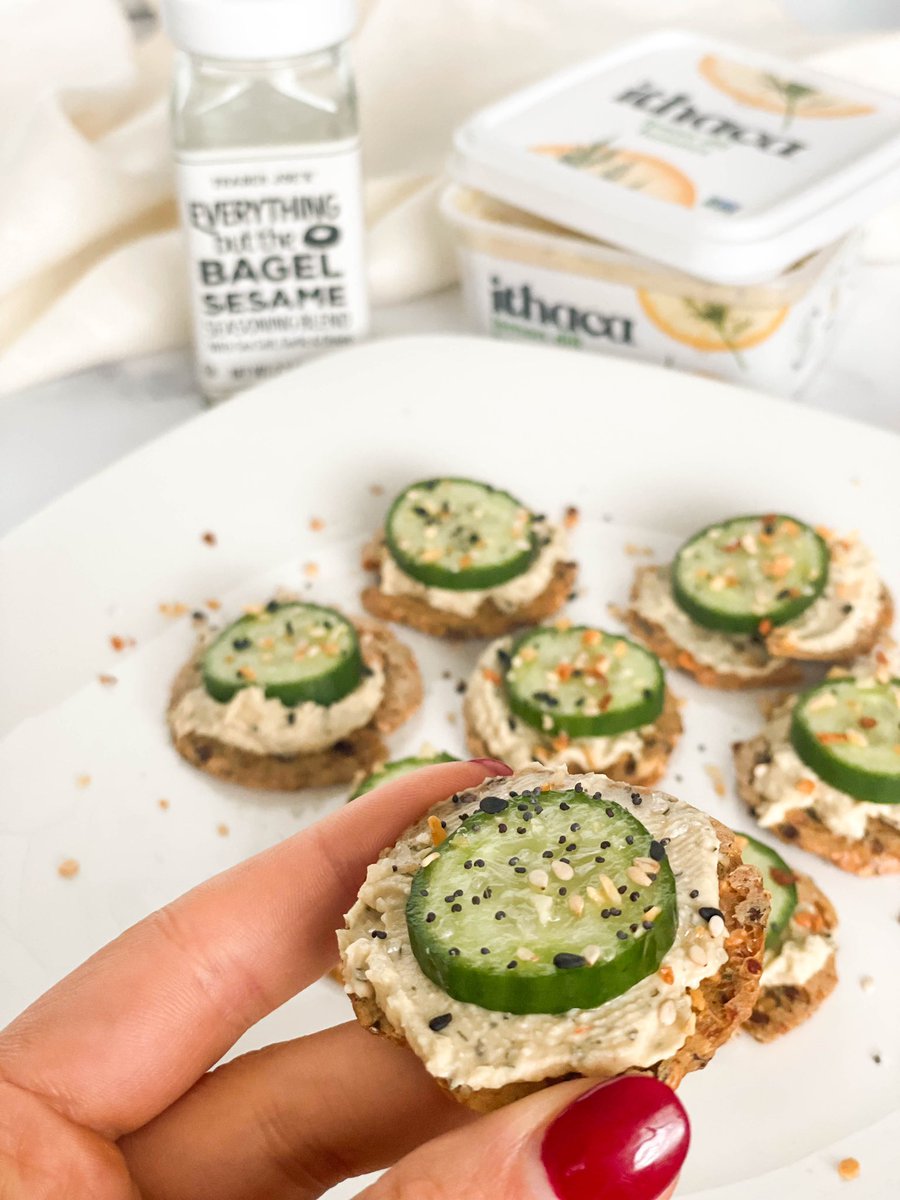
pixel 292 1121
pixel 626 1138
pixel 129 1031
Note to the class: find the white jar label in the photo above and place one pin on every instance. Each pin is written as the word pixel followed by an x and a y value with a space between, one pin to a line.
pixel 275 253
pixel 776 348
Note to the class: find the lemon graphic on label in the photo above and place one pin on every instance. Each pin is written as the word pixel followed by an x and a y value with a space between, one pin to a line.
pixel 775 94
pixel 639 172
pixel 708 325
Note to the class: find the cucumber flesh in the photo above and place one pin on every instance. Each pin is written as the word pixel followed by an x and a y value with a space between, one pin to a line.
pixel 582 682
pixel 848 733
pixel 461 535
pixel 294 652
pixel 394 770
pixel 516 911
pixel 750 573
pixel 779 880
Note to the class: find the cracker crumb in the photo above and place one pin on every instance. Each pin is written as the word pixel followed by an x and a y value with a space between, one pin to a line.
pixel 209 538
pixel 717 779
pixel 311 570
pixel 121 643
pixel 107 680
pixel 867 983
pixel 173 609
pixel 451 717
pixel 848 1168
pixel 638 551
pixel 164 805
pixel 376 489
pixel 316 524
pixel 214 605
pixel 571 517
pixel 222 830
pixel 68 868
pixel 82 781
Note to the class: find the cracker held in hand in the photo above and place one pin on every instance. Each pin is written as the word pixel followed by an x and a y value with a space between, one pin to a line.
pixel 799 966
pixel 573 696
pixel 546 925
pixel 746 600
pixel 293 696
pixel 462 559
pixel 824 772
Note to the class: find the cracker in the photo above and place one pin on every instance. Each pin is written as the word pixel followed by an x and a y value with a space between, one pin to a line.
pixel 877 853
pixel 721 1003
pixel 781 1009
pixel 488 621
pixel 340 763
pixel 660 740
pixel 656 638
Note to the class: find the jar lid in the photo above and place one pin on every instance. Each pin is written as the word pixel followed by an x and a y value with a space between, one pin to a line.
pixel 251 30
pixel 715 159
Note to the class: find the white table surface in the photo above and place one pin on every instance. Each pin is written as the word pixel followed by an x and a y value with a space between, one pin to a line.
pixel 55 435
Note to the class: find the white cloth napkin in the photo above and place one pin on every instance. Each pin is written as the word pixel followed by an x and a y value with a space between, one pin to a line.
pixel 91 267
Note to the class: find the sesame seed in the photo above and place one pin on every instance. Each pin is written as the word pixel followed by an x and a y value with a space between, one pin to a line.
pixel 667 1012
pixel 568 962
pixel 539 879
pixel 436 1024
pixel 608 887
pixel 636 875
pixel 716 926
pixel 379 933
pixel 562 870
pixel 698 955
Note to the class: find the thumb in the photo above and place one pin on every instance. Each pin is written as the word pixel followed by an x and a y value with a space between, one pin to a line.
pixel 624 1138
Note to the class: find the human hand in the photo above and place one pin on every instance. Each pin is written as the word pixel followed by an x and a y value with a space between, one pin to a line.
pixel 107 1092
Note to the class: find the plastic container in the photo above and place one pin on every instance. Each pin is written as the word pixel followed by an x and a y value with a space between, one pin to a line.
pixel 527 279
pixel 679 200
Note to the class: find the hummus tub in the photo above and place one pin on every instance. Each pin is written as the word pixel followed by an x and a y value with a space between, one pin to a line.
pixel 527 279
pixel 292 696
pixel 477 981
pixel 677 199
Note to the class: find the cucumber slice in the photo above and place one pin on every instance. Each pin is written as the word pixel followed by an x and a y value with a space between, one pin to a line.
pixel 294 652
pixel 779 879
pixel 393 770
pixel 750 573
pixel 461 535
pixel 582 681
pixel 515 913
pixel 848 732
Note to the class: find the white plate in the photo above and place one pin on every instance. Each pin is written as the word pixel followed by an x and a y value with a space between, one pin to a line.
pixel 648 456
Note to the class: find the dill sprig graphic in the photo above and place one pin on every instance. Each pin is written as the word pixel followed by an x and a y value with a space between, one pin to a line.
pixel 720 318
pixel 791 93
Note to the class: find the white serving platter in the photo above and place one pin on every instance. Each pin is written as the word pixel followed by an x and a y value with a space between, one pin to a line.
pixel 647 455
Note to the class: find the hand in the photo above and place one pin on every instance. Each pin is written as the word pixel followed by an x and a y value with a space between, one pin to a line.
pixel 107 1092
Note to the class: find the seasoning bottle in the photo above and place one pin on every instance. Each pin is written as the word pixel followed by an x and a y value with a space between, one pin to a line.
pixel 266 143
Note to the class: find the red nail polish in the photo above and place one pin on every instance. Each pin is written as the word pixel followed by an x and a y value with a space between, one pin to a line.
pixel 626 1138
pixel 494 765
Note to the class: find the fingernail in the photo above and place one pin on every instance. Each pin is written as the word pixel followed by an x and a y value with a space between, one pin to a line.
pixel 626 1138
pixel 494 765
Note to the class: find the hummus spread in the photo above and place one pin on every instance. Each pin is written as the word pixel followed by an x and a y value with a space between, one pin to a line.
pixel 848 607
pixel 736 654
pixel 776 785
pixel 516 593
pixel 800 956
pixel 518 744
pixel 252 721
pixel 481 1048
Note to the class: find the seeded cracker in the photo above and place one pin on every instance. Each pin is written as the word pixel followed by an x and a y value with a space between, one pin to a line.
pixel 356 753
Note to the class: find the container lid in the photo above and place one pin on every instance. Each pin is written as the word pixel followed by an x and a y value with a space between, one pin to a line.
pixel 717 160
pixel 250 30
